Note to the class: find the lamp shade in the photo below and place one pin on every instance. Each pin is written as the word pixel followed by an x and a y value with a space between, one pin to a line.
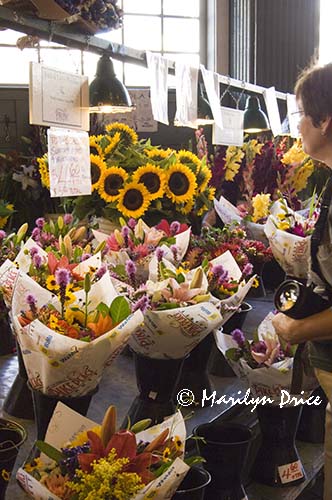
pixel 204 113
pixel 254 120
pixel 107 93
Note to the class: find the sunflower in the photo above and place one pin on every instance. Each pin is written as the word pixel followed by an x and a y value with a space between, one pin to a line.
pixel 110 183
pixel 113 142
pixel 134 200
pixel 95 147
pixel 203 178
pixel 189 159
pixel 187 207
pixel 180 183
pixel 97 166
pixel 43 170
pixel 127 134
pixel 158 154
pixel 153 179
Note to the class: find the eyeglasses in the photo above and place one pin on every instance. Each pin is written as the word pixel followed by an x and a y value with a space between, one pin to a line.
pixel 301 113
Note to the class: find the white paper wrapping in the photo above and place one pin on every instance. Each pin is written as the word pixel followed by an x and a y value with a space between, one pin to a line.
pixel 66 424
pixel 61 366
pixel 292 252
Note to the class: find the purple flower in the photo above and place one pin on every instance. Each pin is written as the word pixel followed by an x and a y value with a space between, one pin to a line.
pixel 259 347
pixel 298 230
pixel 62 277
pixel 131 223
pixel 33 251
pixel 40 222
pixel 174 250
pixel 143 304
pixel 131 271
pixel 37 260
pixel 85 256
pixel 248 269
pixel 68 218
pixel 101 271
pixel 125 234
pixel 35 235
pixel 31 300
pixel 220 273
pixel 159 254
pixel 174 227
pixel 238 337
pixel 2 234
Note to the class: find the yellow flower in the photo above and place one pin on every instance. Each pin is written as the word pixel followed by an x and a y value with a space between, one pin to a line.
pixel 111 182
pixel 166 454
pixel 43 170
pixel 82 437
pixel 180 183
pixel 133 200
pixel 112 143
pixel 153 179
pixel 186 208
pixel 251 149
pixel 158 154
pixel 53 322
pixel 97 166
pixel 203 178
pixel 255 283
pixel 295 154
pixel 5 475
pixel 51 283
pixel 127 134
pixel 233 160
pixel 189 159
pixel 69 297
pixel 178 443
pixel 95 145
pixel 283 225
pixel 260 204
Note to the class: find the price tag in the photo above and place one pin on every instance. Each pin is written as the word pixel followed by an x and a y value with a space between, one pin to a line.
pixel 290 472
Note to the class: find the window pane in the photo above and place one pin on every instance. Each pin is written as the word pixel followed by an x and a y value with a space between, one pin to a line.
pixel 181 8
pixel 16 63
pixel 189 39
pixel 142 6
pixel 10 36
pixel 142 32
pixel 64 60
pixel 136 76
pixel 112 36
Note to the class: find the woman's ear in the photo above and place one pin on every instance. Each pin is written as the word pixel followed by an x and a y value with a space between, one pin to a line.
pixel 325 125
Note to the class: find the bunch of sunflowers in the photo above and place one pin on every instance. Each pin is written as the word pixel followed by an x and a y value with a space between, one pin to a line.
pixel 132 178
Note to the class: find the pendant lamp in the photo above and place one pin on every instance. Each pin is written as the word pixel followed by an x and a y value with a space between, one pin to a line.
pixel 254 120
pixel 107 93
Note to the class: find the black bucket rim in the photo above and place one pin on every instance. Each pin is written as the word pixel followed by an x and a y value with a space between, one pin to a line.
pixel 16 427
pixel 229 425
pixel 203 472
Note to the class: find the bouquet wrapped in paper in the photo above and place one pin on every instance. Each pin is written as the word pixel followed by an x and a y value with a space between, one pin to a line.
pixel 67 338
pixel 289 235
pixel 263 362
pixel 179 310
pixel 85 461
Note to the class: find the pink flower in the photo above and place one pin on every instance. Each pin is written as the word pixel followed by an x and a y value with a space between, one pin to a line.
pixel 272 350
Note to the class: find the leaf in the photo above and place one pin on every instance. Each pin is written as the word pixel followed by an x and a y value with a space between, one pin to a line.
pixel 50 451
pixel 119 309
pixel 103 309
pixel 233 354
pixel 194 460
pixel 141 425
pixel 87 283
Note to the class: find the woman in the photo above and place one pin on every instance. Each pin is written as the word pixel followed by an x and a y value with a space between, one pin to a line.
pixel 314 98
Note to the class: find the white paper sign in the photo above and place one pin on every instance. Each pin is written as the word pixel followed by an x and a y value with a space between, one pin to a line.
pixel 272 110
pixel 186 78
pixel 293 115
pixel 211 83
pixel 69 162
pixel 232 133
pixel 158 68
pixel 57 98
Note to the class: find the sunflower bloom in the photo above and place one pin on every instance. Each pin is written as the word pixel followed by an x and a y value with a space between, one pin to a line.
pixel 134 200
pixel 113 142
pixel 189 159
pixel 158 154
pixel 127 134
pixel 111 182
pixel 43 170
pixel 97 166
pixel 180 183
pixel 95 146
pixel 153 179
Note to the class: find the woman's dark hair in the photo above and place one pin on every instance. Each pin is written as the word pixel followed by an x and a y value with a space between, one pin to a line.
pixel 314 88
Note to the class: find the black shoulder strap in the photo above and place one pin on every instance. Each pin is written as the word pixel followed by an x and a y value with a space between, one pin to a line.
pixel 318 233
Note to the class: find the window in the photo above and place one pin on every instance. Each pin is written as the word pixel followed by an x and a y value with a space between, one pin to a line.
pixel 325 35
pixel 171 27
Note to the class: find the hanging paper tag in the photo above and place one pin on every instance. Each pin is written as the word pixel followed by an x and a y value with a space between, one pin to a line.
pixel 158 68
pixel 69 162
pixel 290 472
pixel 272 110
pixel 232 133
pixel 186 95
pixel 293 115
pixel 211 83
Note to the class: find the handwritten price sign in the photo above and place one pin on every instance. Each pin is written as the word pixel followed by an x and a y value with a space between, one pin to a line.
pixel 290 472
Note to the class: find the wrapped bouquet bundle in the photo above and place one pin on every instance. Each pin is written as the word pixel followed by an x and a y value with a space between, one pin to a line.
pixel 69 338
pixel 87 461
pixel 289 235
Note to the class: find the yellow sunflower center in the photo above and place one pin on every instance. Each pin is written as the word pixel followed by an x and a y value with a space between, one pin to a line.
pixel 113 183
pixel 178 183
pixel 151 181
pixel 133 199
